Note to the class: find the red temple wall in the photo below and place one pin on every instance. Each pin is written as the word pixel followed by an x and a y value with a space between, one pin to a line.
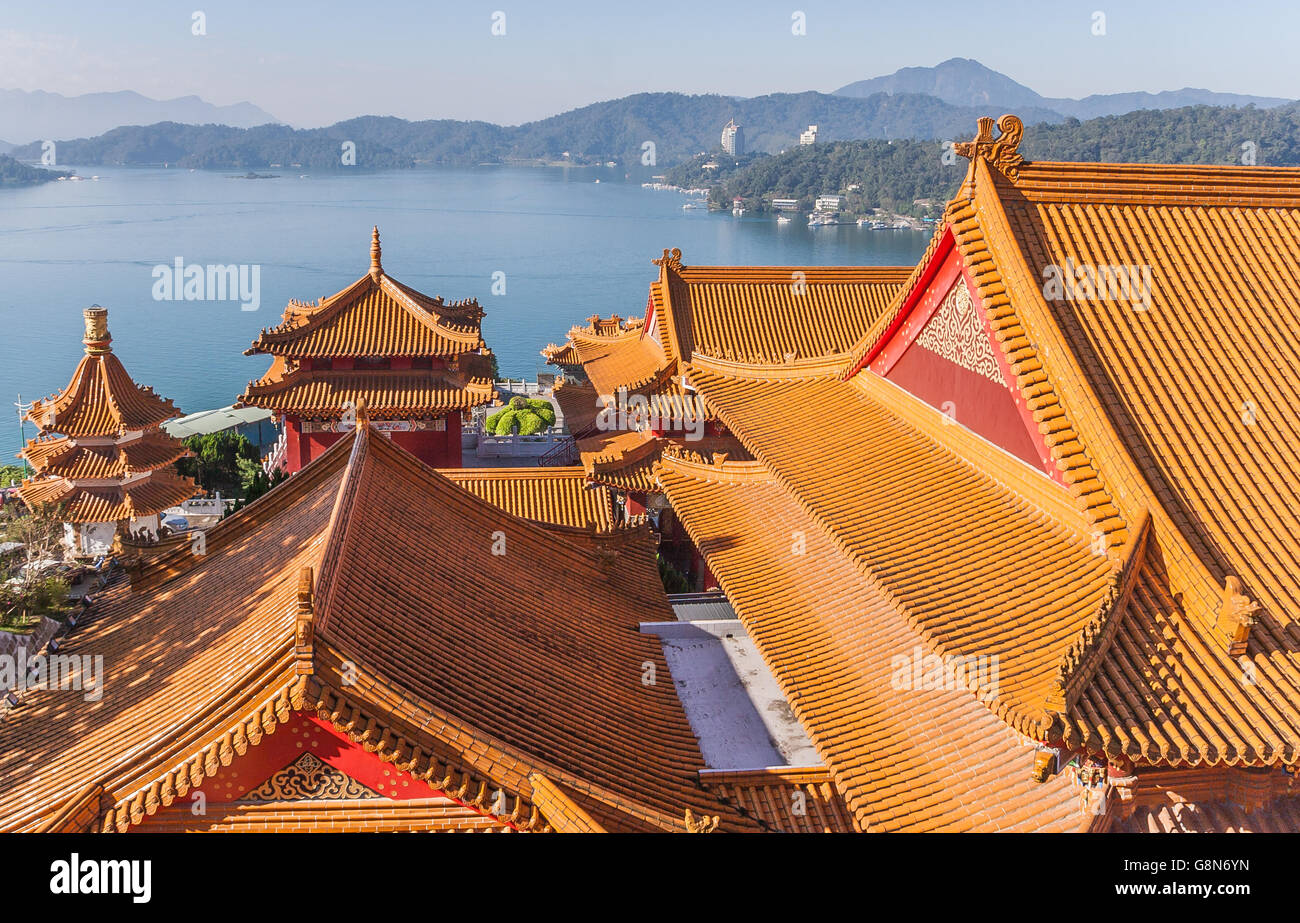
pixel 969 398
pixel 292 445
pixel 315 444
pixel 434 448
pixel 440 449
pixel 301 448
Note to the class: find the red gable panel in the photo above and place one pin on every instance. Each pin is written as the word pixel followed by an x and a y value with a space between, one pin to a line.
pixel 941 349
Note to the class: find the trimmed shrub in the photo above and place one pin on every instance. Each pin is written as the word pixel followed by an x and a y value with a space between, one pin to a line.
pixel 544 410
pixel 522 416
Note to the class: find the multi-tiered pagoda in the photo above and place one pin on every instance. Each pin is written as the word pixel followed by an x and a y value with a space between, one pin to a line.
pixel 414 363
pixel 102 458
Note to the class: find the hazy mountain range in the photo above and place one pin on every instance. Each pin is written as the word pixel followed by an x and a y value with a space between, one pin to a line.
pixel 670 126
pixel 965 82
pixel 37 115
pixel 922 103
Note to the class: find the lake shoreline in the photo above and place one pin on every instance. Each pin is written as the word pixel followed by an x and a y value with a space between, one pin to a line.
pixel 536 247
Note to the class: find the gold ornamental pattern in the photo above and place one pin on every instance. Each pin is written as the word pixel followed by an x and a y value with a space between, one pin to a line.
pixel 309 779
pixel 956 333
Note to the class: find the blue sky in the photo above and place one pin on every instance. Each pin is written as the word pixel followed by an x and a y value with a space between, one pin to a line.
pixel 315 63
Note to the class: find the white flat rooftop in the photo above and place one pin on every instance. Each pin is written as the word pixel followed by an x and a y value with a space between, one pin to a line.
pixel 738 713
pixel 214 421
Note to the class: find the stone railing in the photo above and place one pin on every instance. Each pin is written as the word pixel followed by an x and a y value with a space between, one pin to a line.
pixel 519 446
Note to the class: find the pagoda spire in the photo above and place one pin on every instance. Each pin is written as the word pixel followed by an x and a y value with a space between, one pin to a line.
pixel 102 457
pixel 376 268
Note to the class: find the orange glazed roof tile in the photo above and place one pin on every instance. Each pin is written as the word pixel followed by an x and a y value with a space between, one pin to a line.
pixel 787 799
pixel 775 314
pixel 1195 372
pixel 627 359
pixel 183 660
pixel 374 316
pixel 557 496
pixel 469 669
pixel 625 460
pixel 904 759
pixel 561 689
pixel 1164 694
pixel 386 393
pixel 562 355
pixel 1147 313
pixel 772 314
pixel 79 503
pixel 423 815
pixel 973 566
pixel 561 808
pixel 63 457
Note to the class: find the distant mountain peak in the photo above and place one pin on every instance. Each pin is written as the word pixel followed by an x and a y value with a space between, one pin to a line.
pixel 967 82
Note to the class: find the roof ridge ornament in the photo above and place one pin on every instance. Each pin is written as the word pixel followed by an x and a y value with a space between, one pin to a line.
pixel 1237 615
pixel 703 823
pixel 1000 152
pixel 376 267
pixel 304 628
pixel 672 259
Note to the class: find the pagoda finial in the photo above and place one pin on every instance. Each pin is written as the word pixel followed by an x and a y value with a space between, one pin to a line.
pixel 376 269
pixel 97 337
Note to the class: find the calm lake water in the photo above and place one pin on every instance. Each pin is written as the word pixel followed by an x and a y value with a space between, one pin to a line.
pixel 569 247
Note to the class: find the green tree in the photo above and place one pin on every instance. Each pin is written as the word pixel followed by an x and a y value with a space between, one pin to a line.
pixel 673 579
pixel 30 586
pixel 222 461
pixel 255 485
pixel 12 474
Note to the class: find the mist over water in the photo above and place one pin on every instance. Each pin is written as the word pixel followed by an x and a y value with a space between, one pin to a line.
pixel 569 248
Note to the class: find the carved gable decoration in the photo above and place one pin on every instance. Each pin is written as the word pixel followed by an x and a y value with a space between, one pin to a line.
pixel 309 779
pixel 956 332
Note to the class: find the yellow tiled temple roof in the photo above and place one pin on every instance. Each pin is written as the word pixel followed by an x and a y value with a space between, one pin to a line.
pixel 773 314
pixel 625 357
pixel 626 459
pixel 1121 653
pixel 904 759
pixel 1166 400
pixel 558 496
pixel 434 658
pixel 63 457
pixel 766 314
pixel 375 316
pixel 386 393
pixel 976 568
pixel 80 458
